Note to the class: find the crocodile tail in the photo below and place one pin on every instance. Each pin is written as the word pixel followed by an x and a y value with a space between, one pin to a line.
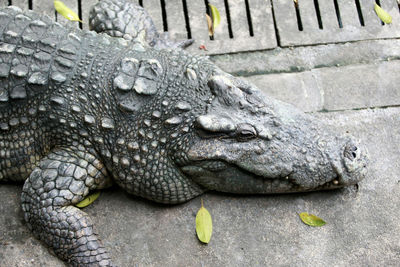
pixel 164 41
pixel 121 18
pixel 184 43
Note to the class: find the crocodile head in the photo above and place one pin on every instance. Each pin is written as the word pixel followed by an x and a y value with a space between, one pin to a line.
pixel 246 142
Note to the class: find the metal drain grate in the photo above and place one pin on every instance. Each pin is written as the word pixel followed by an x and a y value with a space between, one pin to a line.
pixel 245 24
pixel 248 25
pixel 327 21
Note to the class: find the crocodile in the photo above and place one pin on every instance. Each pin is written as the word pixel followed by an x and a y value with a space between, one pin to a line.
pixel 122 18
pixel 80 111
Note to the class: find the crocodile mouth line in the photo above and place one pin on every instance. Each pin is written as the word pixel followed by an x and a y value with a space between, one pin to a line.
pixel 290 177
pixel 287 182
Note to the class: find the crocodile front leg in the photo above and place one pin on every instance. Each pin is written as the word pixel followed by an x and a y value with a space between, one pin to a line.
pixel 61 180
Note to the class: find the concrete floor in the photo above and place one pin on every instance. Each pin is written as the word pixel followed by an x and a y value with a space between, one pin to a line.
pixel 353 87
pixel 362 222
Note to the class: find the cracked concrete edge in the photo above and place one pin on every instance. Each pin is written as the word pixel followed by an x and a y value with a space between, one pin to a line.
pixel 335 88
pixel 298 59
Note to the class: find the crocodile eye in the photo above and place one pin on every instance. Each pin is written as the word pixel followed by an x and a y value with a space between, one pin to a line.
pixel 245 132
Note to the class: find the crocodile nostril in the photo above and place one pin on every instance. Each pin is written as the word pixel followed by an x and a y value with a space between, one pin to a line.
pixel 350 152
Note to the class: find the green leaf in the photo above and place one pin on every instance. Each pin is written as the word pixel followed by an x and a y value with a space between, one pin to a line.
pixel 382 14
pixel 65 11
pixel 203 224
pixel 216 17
pixel 311 219
pixel 88 200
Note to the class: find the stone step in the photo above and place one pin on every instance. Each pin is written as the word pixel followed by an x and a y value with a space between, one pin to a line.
pixel 335 88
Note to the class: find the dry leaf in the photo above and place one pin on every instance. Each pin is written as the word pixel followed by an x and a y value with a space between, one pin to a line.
pixel 203 224
pixel 210 26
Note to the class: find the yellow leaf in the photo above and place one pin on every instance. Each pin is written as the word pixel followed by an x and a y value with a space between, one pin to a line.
pixel 203 224
pixel 311 219
pixel 382 14
pixel 210 26
pixel 65 11
pixel 216 17
pixel 88 200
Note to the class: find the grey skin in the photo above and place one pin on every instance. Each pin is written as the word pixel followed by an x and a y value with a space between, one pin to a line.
pixel 79 110
pixel 122 18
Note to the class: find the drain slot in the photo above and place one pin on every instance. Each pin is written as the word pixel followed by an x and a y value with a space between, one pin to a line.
pixel 187 22
pixel 80 13
pixel 318 12
pixel 359 12
pixel 378 2
pixel 249 21
pixel 228 18
pixel 339 18
pixel 298 17
pixel 208 12
pixel 164 15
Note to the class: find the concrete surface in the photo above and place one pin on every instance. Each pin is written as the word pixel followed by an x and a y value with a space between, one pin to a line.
pixel 362 222
pixel 299 59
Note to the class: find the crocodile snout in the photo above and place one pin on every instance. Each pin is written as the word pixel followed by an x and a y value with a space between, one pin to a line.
pixel 355 159
pixel 352 167
pixel 351 152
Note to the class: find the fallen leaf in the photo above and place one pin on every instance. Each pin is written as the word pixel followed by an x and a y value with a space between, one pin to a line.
pixel 203 224
pixel 88 200
pixel 216 17
pixel 65 11
pixel 210 26
pixel 311 219
pixel 382 14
